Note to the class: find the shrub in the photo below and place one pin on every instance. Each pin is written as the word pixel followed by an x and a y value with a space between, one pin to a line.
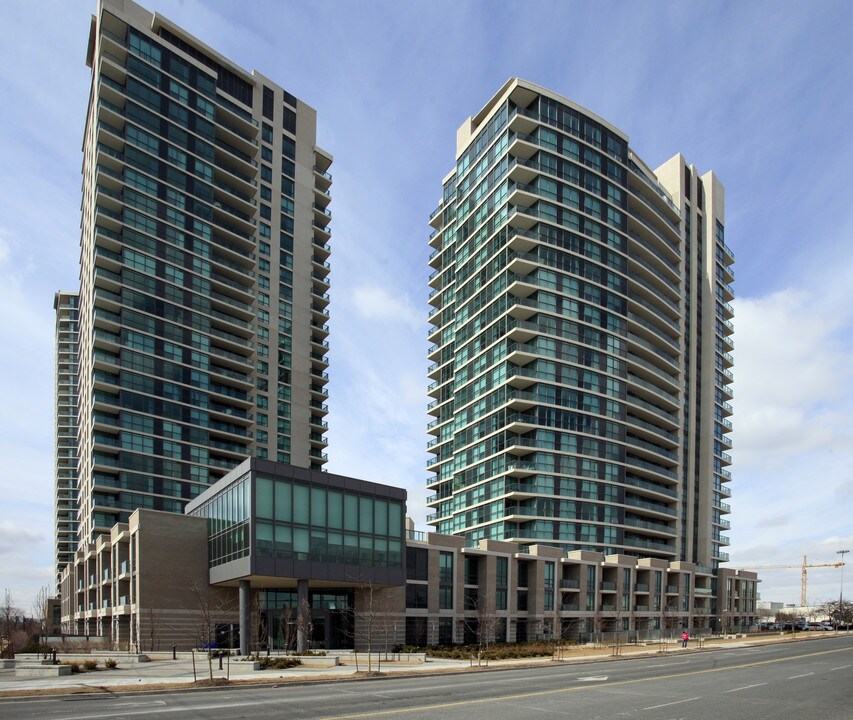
pixel 75 667
pixel 90 665
pixel 495 651
pixel 279 663
pixel 111 664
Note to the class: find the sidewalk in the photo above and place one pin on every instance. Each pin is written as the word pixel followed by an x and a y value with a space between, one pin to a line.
pixel 166 673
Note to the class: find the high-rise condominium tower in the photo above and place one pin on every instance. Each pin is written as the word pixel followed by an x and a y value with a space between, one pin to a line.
pixel 203 279
pixel 65 431
pixel 580 331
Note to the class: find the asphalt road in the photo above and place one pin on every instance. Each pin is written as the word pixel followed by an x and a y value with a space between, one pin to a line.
pixel 806 681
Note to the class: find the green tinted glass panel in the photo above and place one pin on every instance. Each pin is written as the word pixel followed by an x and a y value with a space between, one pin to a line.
pixel 365 514
pixel 395 519
pixel 351 549
pixel 283 501
pixel 335 548
pixel 380 552
pixel 283 541
pixel 395 555
pixel 300 504
pixel 318 506
pixel 380 517
pixel 263 539
pixel 301 543
pixel 263 498
pixel 365 550
pixel 350 512
pixel 336 510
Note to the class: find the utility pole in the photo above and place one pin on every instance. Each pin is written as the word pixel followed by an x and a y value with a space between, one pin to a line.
pixel 841 590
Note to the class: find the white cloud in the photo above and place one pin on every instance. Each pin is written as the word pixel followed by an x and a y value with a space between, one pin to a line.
pixel 376 303
pixel 794 377
pixel 793 492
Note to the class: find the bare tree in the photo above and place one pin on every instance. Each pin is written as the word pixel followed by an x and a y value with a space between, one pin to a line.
pixel 566 629
pixel 213 609
pixel 39 609
pixel 841 613
pixel 372 621
pixel 153 630
pixel 615 615
pixel 287 629
pixel 487 621
pixel 260 625
pixel 8 617
pixel 304 626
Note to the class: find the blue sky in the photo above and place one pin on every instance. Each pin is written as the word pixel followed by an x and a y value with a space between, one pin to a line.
pixel 759 92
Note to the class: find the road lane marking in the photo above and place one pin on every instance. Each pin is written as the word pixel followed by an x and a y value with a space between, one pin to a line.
pixel 794 677
pixel 676 702
pixel 593 678
pixel 843 667
pixel 745 687
pixel 577 688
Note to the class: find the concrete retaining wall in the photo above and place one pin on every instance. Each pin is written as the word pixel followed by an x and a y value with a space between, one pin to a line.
pixel 32 671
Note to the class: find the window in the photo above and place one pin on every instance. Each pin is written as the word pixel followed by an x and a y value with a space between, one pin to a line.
pixel 417 560
pixel 548 595
pixel 445 580
pixel 472 570
pixel 268 103
pixel 501 582
pixel 416 596
pixel 289 121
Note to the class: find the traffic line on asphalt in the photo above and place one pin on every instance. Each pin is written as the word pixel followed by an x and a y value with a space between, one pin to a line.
pixel 745 687
pixel 579 688
pixel 794 677
pixel 674 702
pixel 843 667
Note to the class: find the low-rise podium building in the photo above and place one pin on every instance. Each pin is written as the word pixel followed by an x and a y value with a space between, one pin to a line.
pixel 302 558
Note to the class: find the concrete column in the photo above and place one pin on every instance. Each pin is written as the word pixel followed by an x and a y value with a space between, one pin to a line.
pixel 303 615
pixel 245 617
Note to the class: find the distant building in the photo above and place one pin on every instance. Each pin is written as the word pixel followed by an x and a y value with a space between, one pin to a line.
pixel 65 431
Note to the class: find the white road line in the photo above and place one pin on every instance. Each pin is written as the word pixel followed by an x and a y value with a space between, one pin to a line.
pixel 745 687
pixel 794 677
pixel 676 702
pixel 843 667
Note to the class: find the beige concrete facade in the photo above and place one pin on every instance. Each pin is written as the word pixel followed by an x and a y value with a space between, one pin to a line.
pixel 134 588
pixel 145 586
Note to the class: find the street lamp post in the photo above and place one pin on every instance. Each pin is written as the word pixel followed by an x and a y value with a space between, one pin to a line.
pixel 841 590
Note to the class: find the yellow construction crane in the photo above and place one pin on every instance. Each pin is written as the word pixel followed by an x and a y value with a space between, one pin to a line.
pixel 804 566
